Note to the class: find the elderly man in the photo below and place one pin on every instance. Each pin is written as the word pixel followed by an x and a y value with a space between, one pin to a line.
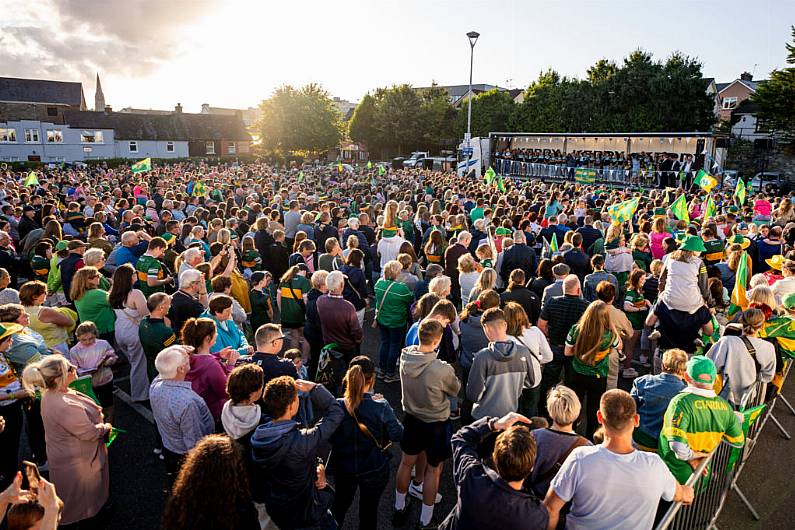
pixel 132 247
pixel 451 255
pixel 560 271
pixel 190 300
pixel 338 317
pixel 519 256
pixel 181 415
pixel 190 259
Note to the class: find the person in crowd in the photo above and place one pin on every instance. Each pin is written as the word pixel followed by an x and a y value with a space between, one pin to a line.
pixel 296 492
pixel 291 298
pixel 228 335
pixel 518 293
pixel 596 277
pixel 560 271
pixel 355 290
pixel 212 489
pixel 190 300
pixel 338 317
pixel 260 297
pixel 522 332
pixel 392 301
pixel 269 340
pixel 154 332
pixel 653 393
pixel 12 394
pixel 181 415
pixel 696 421
pixel 360 457
pixel 606 292
pixel 473 338
pixel 52 324
pixel 8 295
pixel 76 433
pixel 427 384
pixel 633 474
pixel 468 275
pixel 208 372
pixel 29 509
pixel 130 307
pixel 92 302
pixel 519 256
pixel 313 329
pixel 743 360
pixel 452 261
pixel 95 356
pixel 684 278
pixel 543 278
pixel 486 500
pixel 71 264
pixel 222 286
pixel 554 444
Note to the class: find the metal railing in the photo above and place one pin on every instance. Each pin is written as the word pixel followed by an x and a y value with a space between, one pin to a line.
pixel 722 472
pixel 603 175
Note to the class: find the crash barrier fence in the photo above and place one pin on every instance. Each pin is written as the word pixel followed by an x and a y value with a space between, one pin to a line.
pixel 603 175
pixel 718 474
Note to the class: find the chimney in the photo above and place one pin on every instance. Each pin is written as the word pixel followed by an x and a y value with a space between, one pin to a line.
pixel 108 109
pixel 178 108
pixel 745 76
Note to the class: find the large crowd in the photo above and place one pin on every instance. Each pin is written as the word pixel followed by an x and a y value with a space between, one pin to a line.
pixel 511 320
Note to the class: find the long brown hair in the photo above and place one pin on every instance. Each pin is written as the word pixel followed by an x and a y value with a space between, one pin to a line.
pixel 486 300
pixel 210 489
pixel 516 318
pixel 80 282
pixel 123 283
pixel 592 327
pixel 360 375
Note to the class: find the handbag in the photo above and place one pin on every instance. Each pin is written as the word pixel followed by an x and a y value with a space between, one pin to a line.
pixel 366 432
pixel 378 308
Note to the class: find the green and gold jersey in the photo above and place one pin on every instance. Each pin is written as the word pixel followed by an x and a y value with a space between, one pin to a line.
pixel 714 253
pixel 149 267
pixel 601 365
pixel 700 422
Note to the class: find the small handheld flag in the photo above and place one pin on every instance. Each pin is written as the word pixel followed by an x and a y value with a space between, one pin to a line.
pixel 709 209
pixel 141 166
pixel 31 179
pixel 553 245
pixel 739 298
pixel 740 191
pixel 300 177
pixel 679 209
pixel 381 171
pixel 500 184
pixel 489 175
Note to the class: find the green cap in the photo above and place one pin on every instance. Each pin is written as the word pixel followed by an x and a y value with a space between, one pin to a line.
pixel 659 212
pixel 788 301
pixel 734 210
pixel 693 244
pixel 701 370
pixel 61 245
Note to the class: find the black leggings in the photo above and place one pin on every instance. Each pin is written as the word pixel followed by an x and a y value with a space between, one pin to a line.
pixel 370 490
pixel 589 389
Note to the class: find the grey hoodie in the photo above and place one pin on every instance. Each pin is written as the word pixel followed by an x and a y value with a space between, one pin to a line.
pixel 426 384
pixel 239 420
pixel 499 373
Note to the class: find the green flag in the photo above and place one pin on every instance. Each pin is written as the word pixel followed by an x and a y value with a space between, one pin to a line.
pixel 679 208
pixel 750 416
pixel 709 209
pixel 31 179
pixel 369 165
pixel 740 191
pixel 739 298
pixel 300 177
pixel 623 211
pixel 141 166
pixel 704 180
pixel 584 176
pixel 489 175
pixel 199 189
pixel 83 384
pixel 553 245
pixel 500 184
pixel 381 171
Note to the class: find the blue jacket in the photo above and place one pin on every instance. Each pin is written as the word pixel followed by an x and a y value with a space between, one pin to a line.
pixel 652 393
pixel 354 454
pixel 231 336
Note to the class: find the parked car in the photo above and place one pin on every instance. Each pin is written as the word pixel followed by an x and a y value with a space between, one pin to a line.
pixel 771 183
pixel 416 159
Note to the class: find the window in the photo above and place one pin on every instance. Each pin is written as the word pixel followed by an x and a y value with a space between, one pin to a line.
pixel 209 148
pixel 8 135
pixel 91 137
pixel 54 136
pixel 762 126
pixel 31 136
pixel 170 147
pixel 59 158
pixel 133 147
pixel 729 103
pixel 230 148
pixel 52 111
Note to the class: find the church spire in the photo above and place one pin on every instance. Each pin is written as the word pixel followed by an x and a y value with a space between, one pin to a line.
pixel 99 97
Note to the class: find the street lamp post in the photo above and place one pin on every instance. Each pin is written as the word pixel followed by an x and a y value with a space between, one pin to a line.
pixel 473 38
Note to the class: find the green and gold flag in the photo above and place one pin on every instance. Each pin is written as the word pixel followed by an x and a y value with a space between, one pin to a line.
pixel 679 208
pixel 141 166
pixel 584 176
pixel 750 416
pixel 705 181
pixel 489 176
pixel 623 211
pixel 553 245
pixel 740 191
pixel 199 189
pixel 31 179
pixel 709 209
pixel 739 298
pixel 500 184
pixel 381 171
pixel 369 164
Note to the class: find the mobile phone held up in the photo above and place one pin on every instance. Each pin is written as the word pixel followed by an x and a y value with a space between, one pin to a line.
pixel 31 476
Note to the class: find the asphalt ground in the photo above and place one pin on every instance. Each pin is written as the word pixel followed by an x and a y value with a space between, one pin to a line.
pixel 137 476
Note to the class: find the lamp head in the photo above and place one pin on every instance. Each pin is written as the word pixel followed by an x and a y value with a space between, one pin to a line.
pixel 473 37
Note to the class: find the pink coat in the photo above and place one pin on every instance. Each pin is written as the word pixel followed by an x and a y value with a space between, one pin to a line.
pixel 656 244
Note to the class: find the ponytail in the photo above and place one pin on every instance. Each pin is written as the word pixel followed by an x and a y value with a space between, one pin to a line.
pixel 46 373
pixel 195 330
pixel 359 376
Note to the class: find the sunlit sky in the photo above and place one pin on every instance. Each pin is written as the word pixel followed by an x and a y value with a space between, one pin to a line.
pixel 233 53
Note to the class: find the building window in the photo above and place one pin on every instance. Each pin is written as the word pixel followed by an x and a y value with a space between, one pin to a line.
pixel 762 126
pixel 133 147
pixel 729 103
pixel 54 136
pixel 91 137
pixel 230 148
pixel 52 111
pixel 8 135
pixel 209 148
pixel 170 147
pixel 59 158
pixel 31 136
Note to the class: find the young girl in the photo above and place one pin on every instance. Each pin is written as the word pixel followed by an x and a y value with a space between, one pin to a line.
pixel 619 258
pixel 641 253
pixel 250 260
pixel 636 307
pixel 434 249
pixel 390 225
pixel 291 299
pixel 94 356
pixel 261 308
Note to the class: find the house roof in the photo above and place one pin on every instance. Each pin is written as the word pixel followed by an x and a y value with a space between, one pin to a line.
pixel 41 91
pixel 173 126
pixel 750 85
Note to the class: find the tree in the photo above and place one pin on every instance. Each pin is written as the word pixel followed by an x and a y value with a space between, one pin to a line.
pixel 602 71
pixel 491 111
pixel 304 119
pixel 776 98
pixel 362 127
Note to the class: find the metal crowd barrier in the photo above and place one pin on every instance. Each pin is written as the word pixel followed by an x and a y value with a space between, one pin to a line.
pixel 711 492
pixel 615 176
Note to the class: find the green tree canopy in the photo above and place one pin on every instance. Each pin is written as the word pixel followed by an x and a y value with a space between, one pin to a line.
pixel 776 97
pixel 491 111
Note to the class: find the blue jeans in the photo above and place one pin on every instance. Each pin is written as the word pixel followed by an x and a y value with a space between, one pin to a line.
pixel 392 340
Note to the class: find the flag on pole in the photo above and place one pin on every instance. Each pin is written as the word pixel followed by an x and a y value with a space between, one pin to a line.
pixel 31 179
pixel 553 245
pixel 141 166
pixel 489 176
pixel 749 417
pixel 199 189
pixel 623 211
pixel 705 181
pixel 709 208
pixel 381 171
pixel 300 178
pixel 369 164
pixel 679 208
pixel 739 299
pixel 500 184
pixel 740 191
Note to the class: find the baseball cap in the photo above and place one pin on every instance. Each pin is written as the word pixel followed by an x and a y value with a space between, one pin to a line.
pixel 788 301
pixel 701 369
pixel 76 243
pixel 61 245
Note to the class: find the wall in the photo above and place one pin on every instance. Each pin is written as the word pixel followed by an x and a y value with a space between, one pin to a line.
pixel 69 150
pixel 151 148
pixel 736 90
pixel 13 111
pixel 745 128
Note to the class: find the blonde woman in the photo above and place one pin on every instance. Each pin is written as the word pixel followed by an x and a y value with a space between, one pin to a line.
pixel 468 276
pixel 487 280
pixel 392 302
pixel 92 302
pixel 52 324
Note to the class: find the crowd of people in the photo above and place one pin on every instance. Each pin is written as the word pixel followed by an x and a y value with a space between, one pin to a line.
pixel 511 322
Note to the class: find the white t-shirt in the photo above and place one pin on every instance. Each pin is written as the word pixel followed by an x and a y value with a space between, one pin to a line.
pixel 609 490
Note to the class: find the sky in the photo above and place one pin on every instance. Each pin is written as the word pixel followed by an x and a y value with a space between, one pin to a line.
pixel 234 53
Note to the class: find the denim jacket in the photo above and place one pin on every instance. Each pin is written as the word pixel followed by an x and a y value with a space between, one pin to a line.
pixel 652 393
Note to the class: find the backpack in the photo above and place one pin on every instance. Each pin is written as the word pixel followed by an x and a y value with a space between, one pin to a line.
pixel 331 368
